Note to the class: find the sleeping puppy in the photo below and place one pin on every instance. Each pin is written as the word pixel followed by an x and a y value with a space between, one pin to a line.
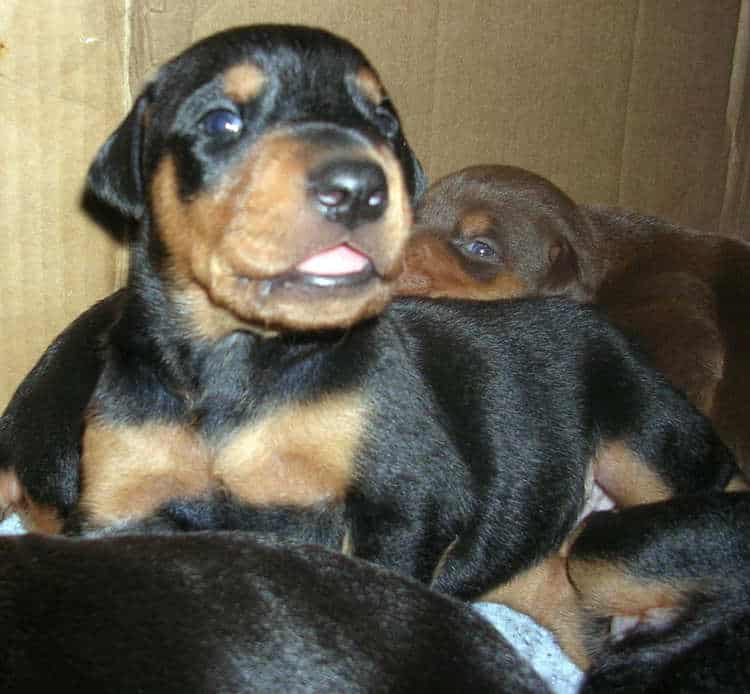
pixel 493 232
pixel 254 373
pixel 220 613
pixel 676 599
pixel 224 612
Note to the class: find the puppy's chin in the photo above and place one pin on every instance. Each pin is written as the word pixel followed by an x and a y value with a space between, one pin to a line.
pixel 270 307
pixel 297 302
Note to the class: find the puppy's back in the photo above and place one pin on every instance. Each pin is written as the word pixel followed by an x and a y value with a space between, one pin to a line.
pixel 220 613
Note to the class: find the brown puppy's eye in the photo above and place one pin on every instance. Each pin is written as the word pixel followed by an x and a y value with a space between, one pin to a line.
pixel 481 249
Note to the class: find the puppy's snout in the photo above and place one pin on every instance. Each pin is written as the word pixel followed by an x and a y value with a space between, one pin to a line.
pixel 350 192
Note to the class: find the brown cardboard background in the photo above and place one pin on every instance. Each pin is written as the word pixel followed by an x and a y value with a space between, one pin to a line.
pixel 640 103
pixel 735 213
pixel 676 145
pixel 61 90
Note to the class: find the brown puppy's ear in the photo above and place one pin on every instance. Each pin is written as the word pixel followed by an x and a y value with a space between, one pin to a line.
pixel 563 269
pixel 115 176
pixel 566 274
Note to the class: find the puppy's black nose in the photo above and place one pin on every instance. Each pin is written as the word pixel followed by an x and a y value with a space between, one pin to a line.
pixel 350 192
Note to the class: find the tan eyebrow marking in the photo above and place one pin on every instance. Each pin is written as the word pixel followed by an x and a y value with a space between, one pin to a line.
pixel 369 84
pixel 243 82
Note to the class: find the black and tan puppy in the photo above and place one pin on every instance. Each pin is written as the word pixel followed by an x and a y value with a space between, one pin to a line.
pixel 221 613
pixel 493 232
pixel 674 580
pixel 253 375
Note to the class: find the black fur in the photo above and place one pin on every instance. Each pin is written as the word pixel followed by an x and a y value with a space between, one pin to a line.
pixel 298 56
pixel 481 413
pixel 221 613
pixel 699 546
pixel 40 430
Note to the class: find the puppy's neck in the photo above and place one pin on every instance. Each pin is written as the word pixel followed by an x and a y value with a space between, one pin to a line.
pixel 154 342
pixel 617 242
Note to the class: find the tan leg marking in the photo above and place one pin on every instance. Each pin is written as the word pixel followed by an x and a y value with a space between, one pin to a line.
pixel 35 517
pixel 40 519
pixel 738 483
pixel 545 594
pixel 11 493
pixel 607 589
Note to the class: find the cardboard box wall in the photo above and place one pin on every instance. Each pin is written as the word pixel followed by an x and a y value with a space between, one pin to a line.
pixel 642 104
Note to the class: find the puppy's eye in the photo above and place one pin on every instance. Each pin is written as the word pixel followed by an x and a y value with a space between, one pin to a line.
pixel 222 122
pixel 481 249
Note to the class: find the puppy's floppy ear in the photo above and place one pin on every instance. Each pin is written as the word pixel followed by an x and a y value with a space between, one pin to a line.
pixel 421 183
pixel 416 179
pixel 115 177
pixel 564 272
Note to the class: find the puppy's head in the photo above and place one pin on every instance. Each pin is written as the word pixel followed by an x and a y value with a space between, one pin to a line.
pixel 271 181
pixel 494 232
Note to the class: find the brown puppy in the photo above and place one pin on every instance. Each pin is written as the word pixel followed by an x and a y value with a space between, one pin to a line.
pixel 493 232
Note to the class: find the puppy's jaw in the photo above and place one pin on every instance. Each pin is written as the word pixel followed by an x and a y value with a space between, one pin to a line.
pixel 241 241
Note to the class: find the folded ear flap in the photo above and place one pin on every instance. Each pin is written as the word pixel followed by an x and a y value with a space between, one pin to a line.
pixel 115 177
pixel 562 275
pixel 421 183
pixel 416 179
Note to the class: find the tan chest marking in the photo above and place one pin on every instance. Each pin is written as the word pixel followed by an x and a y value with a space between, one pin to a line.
pixel 299 455
pixel 128 471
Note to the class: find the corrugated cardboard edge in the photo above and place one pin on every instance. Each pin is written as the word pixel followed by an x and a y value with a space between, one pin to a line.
pixel 735 210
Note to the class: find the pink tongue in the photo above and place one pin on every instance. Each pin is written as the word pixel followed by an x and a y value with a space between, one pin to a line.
pixel 339 260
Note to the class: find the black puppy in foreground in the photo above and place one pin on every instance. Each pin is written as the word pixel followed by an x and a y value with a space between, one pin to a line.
pixel 254 375
pixel 220 613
